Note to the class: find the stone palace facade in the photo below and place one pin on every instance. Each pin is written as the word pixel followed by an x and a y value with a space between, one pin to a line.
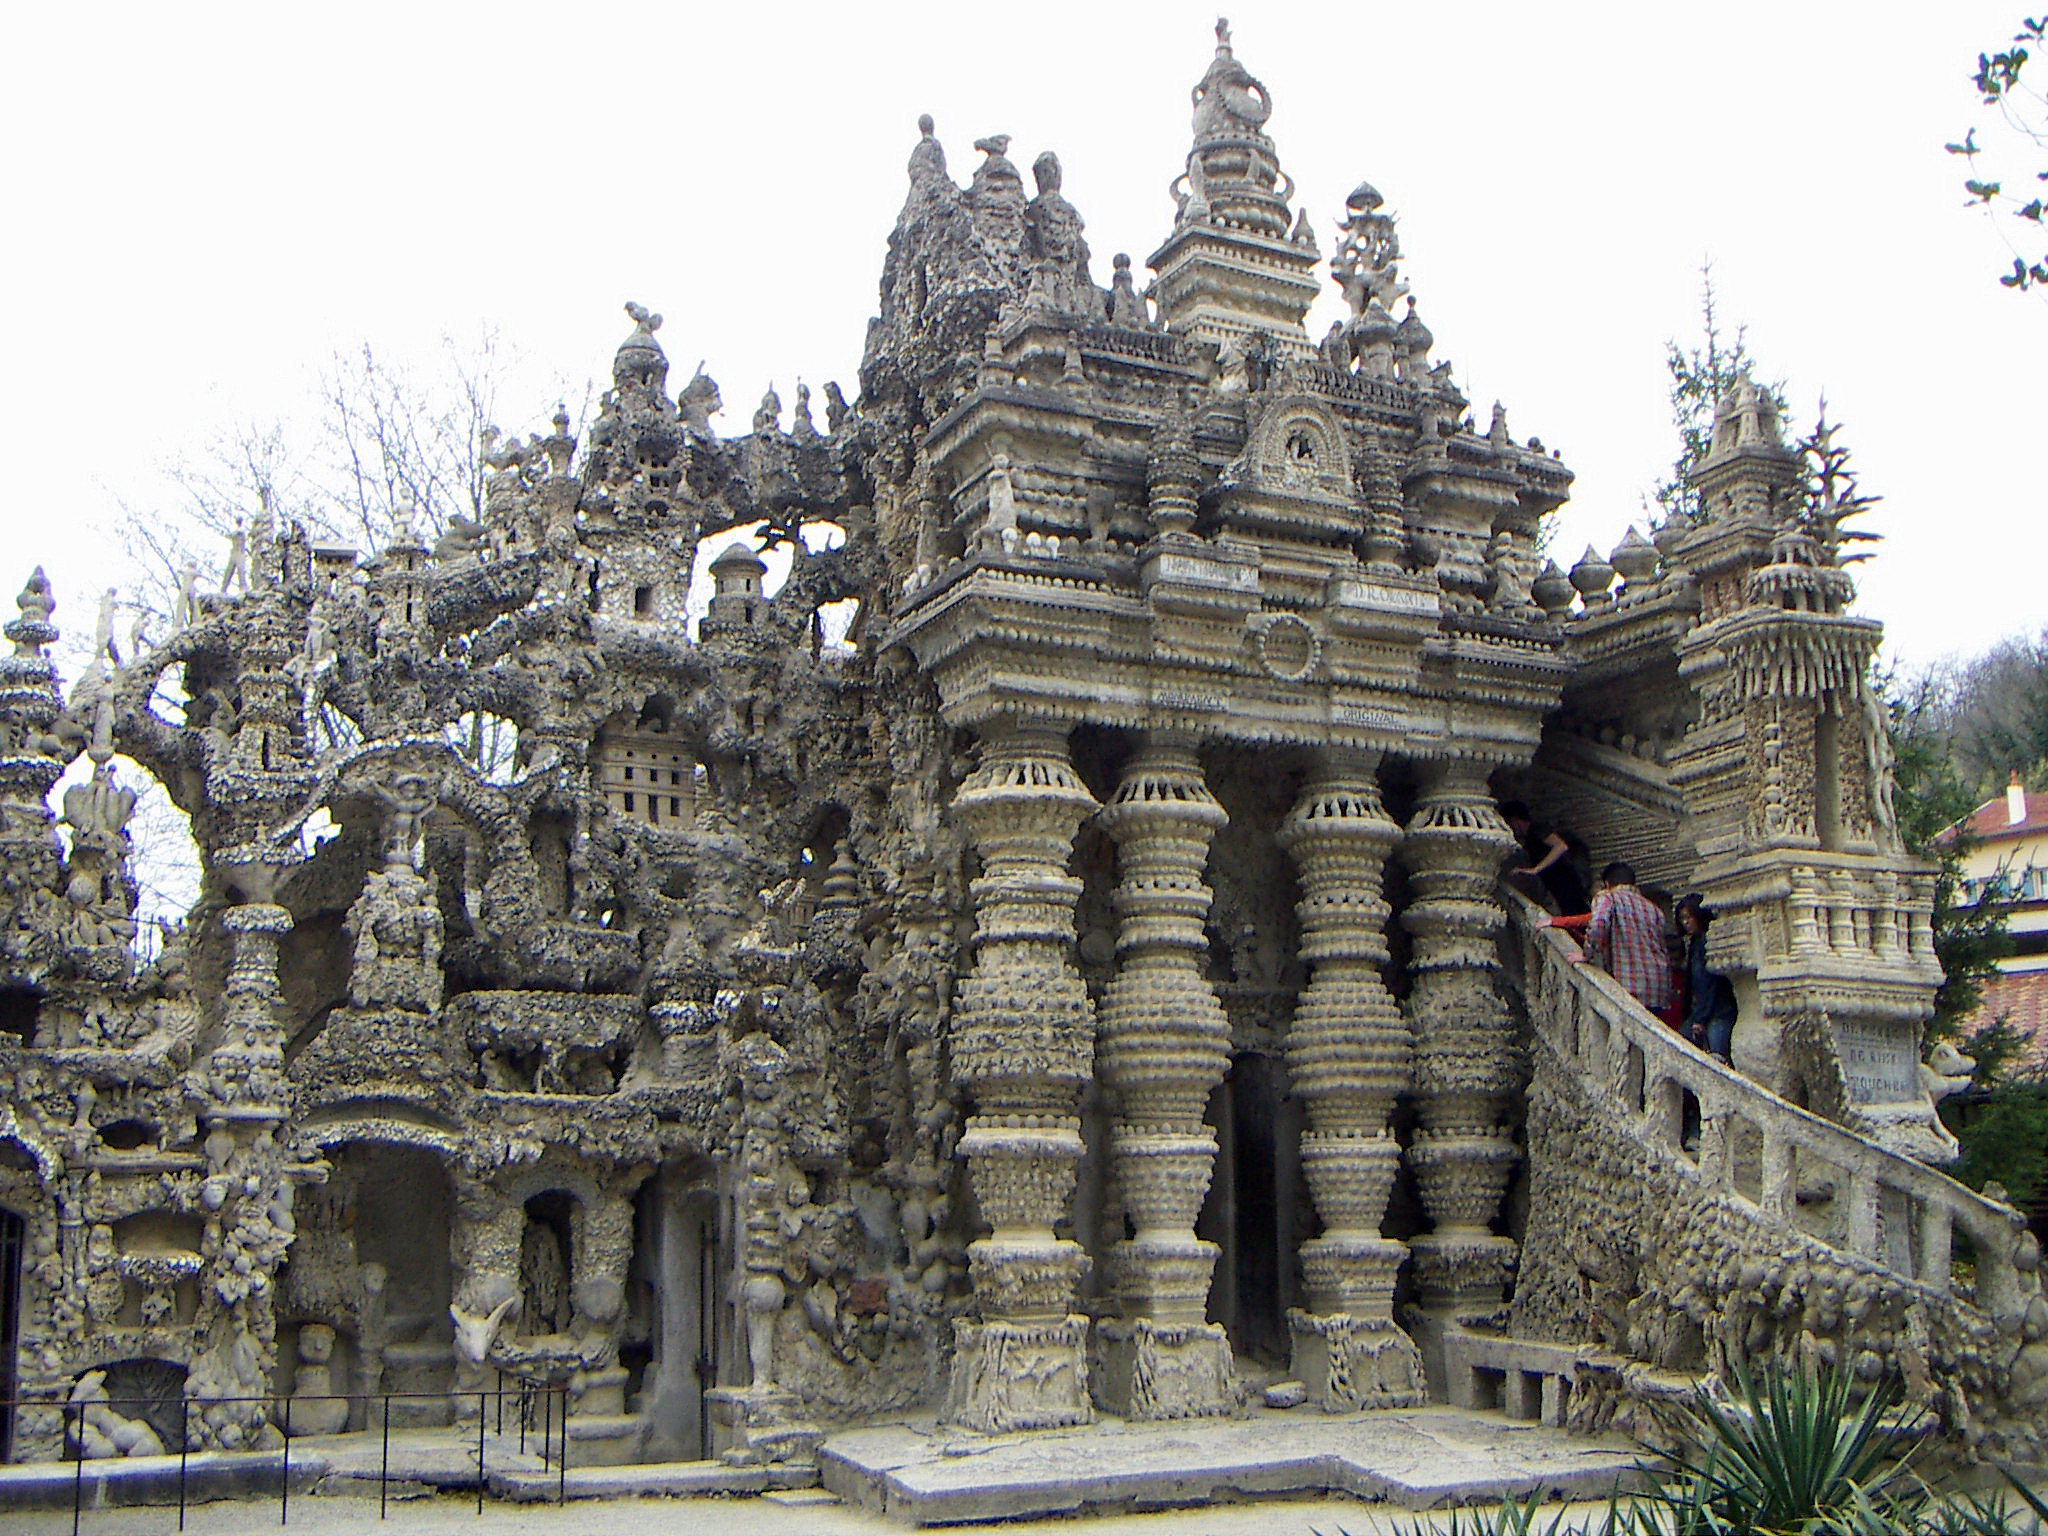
pixel 1086 988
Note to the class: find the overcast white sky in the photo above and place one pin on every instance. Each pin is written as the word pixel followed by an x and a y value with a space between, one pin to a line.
pixel 206 200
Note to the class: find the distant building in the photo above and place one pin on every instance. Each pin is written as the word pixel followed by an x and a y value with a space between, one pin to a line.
pixel 2008 856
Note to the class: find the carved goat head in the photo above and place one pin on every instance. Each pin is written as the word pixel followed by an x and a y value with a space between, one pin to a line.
pixel 475 1332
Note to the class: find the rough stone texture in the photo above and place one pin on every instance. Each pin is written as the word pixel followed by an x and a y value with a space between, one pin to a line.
pixel 772 1027
pixel 1418 1459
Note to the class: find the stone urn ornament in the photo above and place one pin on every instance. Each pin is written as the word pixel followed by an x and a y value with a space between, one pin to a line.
pixel 1552 590
pixel 1592 576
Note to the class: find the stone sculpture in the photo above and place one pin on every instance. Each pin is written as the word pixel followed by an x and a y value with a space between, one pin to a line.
pixel 1007 967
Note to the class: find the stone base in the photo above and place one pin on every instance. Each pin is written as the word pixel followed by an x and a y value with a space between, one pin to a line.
pixel 1463 1279
pixel 1911 1129
pixel 1019 1375
pixel 1150 1370
pixel 319 1415
pixel 1419 1459
pixel 1355 1362
pixel 605 1440
pixel 599 1393
pixel 753 1426
pixel 1351 1273
pixel 419 1368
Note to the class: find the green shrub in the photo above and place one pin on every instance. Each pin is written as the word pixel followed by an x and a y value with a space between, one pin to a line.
pixel 1797 1453
pixel 2005 1141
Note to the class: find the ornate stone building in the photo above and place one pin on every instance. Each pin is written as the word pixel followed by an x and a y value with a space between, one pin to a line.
pixel 1087 987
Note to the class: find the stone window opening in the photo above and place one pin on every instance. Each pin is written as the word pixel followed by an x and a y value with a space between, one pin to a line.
pixel 21 1009
pixel 643 602
pixel 128 1135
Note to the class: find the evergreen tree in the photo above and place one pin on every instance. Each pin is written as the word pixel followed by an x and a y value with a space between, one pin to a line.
pixel 1700 375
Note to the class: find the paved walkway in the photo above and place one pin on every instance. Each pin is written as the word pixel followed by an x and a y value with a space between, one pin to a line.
pixel 1269 1472
pixel 811 1513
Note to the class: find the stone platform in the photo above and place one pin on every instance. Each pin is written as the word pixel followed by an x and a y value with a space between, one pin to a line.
pixel 1426 1458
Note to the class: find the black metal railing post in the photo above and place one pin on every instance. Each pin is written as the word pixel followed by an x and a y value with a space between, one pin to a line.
pixel 184 1450
pixel 384 1474
pixel 284 1483
pixel 562 1460
pixel 480 1453
pixel 77 1459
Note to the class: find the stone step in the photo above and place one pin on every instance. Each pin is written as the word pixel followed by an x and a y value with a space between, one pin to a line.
pixel 1425 1458
pixel 671 1479
pixel 604 1439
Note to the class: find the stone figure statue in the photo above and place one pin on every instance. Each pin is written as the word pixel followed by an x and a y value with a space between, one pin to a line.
pixel 408 799
pixel 234 574
pixel 700 401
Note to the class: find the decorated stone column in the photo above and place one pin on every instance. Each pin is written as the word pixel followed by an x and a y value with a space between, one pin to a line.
pixel 247 1194
pixel 1467 1066
pixel 1164 1044
pixel 1023 1043
pixel 1348 1051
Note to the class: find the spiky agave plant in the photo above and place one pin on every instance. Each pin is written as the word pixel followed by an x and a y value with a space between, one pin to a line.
pixel 1519 1517
pixel 1796 1452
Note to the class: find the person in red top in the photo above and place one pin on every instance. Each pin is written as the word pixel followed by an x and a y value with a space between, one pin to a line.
pixel 1625 936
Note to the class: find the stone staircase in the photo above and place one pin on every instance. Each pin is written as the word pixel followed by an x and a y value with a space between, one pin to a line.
pixel 1684 1220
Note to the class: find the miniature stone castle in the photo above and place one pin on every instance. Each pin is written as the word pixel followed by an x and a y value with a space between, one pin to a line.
pixel 1087 987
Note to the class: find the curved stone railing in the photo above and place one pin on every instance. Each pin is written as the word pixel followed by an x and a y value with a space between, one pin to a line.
pixel 1760 1150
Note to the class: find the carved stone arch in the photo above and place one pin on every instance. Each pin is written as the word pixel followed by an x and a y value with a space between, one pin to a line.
pixel 1300 446
pixel 558 1208
pixel 418 1131
pixel 48 1164
pixel 552 1170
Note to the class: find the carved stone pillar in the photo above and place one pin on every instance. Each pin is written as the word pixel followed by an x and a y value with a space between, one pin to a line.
pixel 1165 1043
pixel 1348 1051
pixel 248 1185
pixel 1466 1061
pixel 1023 1046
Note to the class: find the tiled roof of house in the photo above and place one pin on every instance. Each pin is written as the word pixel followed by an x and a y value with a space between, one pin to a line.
pixel 1993 819
pixel 2021 998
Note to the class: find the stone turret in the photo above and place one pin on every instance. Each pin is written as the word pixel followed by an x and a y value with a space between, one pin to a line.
pixel 736 596
pixel 1786 773
pixel 1236 263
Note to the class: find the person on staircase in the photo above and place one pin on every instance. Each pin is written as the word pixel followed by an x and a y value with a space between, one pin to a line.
pixel 1550 859
pixel 1624 935
pixel 1710 996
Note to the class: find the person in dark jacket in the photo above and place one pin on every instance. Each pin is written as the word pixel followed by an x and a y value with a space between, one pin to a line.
pixel 1710 996
pixel 1549 855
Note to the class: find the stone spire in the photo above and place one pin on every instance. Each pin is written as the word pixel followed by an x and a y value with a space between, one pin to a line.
pixel 1237 263
pixel 1233 179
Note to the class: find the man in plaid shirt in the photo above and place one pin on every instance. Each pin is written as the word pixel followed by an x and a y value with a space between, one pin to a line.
pixel 1626 936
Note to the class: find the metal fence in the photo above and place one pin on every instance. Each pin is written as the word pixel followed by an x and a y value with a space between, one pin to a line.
pixel 540 1415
